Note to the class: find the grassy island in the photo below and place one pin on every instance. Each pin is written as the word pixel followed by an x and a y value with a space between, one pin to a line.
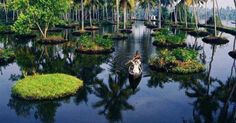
pixel 180 61
pixel 95 45
pixel 46 87
pixel 164 39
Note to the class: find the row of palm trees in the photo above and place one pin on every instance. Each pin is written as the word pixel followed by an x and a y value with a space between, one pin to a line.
pixel 110 9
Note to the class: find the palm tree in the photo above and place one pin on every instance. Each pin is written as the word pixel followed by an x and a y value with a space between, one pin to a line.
pixel 117 15
pixel 125 4
pixel 147 4
pixel 192 3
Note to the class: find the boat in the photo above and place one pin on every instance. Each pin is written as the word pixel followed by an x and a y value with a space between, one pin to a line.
pixel 134 74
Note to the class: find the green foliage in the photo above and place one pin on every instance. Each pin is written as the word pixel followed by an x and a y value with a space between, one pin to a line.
pixel 163 37
pixel 184 54
pixel 48 86
pixel 6 54
pixel 180 60
pixel 22 25
pixel 39 13
pixel 92 43
pixel 192 66
pixel 4 27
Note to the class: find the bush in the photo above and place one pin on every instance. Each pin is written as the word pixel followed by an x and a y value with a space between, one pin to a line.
pixel 46 87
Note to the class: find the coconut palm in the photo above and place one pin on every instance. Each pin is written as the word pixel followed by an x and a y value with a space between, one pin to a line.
pixel 192 3
pixel 147 4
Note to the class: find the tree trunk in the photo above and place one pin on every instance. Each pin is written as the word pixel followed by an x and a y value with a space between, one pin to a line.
pixel 206 16
pixel 195 15
pixel 90 16
pixel 118 15
pixel 106 10
pixel 6 11
pixel 124 14
pixel 159 14
pixel 214 16
pixel 148 13
pixel 103 13
pixel 82 16
pixel 186 16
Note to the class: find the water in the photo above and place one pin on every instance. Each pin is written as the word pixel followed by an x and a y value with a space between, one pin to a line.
pixel 109 96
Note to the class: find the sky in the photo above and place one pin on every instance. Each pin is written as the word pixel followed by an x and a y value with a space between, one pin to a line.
pixel 222 3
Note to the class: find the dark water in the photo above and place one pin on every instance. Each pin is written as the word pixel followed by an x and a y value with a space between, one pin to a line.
pixel 109 96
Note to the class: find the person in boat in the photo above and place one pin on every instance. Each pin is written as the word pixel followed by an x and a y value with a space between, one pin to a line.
pixel 136 62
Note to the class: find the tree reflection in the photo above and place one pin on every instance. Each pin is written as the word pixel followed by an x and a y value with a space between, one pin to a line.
pixel 45 111
pixel 114 97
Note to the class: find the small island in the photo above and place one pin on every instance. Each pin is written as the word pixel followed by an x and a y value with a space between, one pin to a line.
pixel 95 45
pixel 46 87
pixel 164 39
pixel 179 61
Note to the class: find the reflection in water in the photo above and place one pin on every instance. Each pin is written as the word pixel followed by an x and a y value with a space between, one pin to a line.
pixel 44 111
pixel 106 85
pixel 114 97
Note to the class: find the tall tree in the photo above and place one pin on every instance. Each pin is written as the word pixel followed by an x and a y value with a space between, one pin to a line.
pixel 125 4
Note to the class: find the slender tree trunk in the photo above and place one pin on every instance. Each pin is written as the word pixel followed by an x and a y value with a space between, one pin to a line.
pixel 206 13
pixel 186 16
pixel 82 16
pixel 118 15
pixel 218 12
pixel 148 13
pixel 124 13
pixel 90 16
pixel 195 15
pixel 6 11
pixel 103 12
pixel 175 15
pixel 214 16
pixel 106 10
pixel 76 15
pixel 159 14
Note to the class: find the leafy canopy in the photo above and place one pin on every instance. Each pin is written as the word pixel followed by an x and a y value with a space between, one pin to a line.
pixel 40 13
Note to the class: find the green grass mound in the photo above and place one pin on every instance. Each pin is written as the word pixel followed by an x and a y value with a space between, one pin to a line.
pixel 164 38
pixel 6 55
pixel 46 87
pixel 179 61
